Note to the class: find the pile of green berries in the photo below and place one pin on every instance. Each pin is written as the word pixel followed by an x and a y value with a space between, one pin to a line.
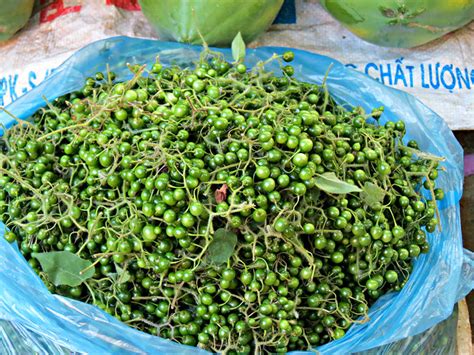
pixel 232 209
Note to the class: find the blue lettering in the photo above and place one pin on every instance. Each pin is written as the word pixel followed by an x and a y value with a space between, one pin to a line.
pixel 435 75
pixel 448 69
pixel 462 79
pixel 12 81
pixel 386 74
pixel 3 90
pixel 410 71
pixel 352 66
pixel 400 75
pixel 423 83
pixel 31 77
pixel 49 72
pixel 371 66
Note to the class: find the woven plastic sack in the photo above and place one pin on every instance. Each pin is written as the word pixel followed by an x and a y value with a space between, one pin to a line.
pixel 440 278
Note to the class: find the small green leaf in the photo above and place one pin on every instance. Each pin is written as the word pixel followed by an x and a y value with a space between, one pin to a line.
pixel 65 268
pixel 372 193
pixel 238 47
pixel 121 276
pixel 222 246
pixel 329 182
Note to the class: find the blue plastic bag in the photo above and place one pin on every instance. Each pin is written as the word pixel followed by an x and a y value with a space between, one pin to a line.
pixel 440 278
pixel 438 340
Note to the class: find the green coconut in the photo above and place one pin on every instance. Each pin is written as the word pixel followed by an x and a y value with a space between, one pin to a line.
pixel 14 14
pixel 217 21
pixel 406 23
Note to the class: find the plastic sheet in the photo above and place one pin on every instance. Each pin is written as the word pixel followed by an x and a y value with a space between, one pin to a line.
pixel 16 339
pixel 438 340
pixel 440 278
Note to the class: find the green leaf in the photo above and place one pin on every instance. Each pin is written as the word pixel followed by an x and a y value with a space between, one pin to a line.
pixel 329 182
pixel 372 193
pixel 222 246
pixel 121 276
pixel 238 47
pixel 65 268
